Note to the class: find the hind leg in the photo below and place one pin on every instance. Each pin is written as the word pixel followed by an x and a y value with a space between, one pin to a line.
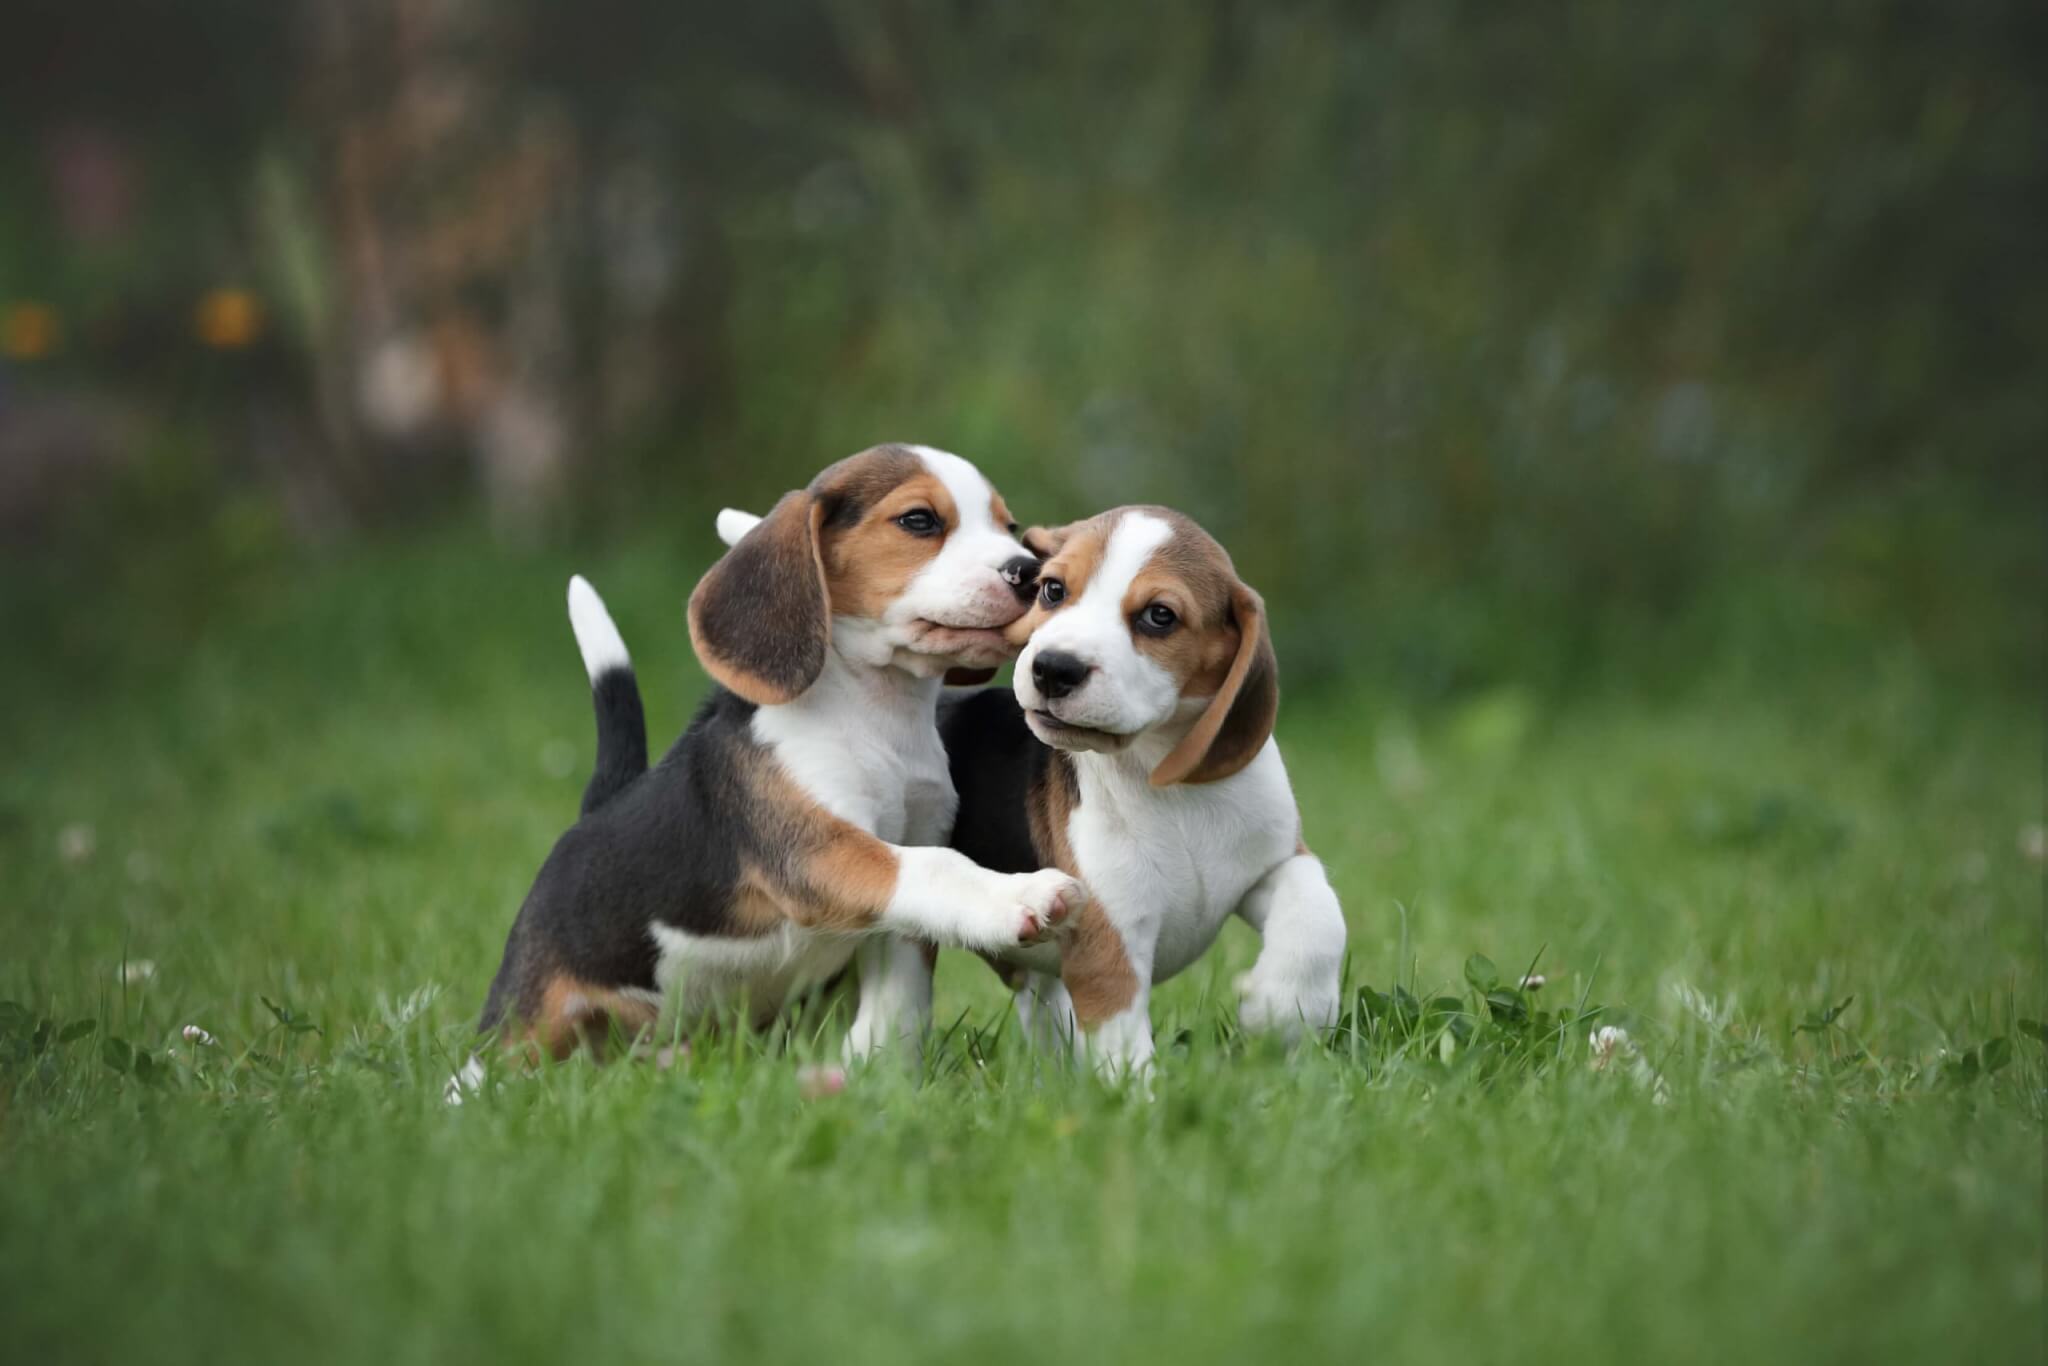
pixel 576 1014
pixel 571 1014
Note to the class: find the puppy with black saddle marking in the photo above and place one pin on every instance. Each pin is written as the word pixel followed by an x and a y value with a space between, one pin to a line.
pixel 1135 751
pixel 792 823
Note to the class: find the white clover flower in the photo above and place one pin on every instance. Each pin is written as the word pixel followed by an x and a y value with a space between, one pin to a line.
pixel 194 1034
pixel 1534 982
pixel 1610 1043
pixel 1614 1050
pixel 136 971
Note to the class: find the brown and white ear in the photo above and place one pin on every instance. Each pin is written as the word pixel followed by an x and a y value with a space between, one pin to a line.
pixel 760 621
pixel 1239 718
pixel 1045 541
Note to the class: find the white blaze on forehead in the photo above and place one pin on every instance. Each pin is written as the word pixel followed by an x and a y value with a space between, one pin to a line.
pixel 972 494
pixel 1125 692
pixel 1132 543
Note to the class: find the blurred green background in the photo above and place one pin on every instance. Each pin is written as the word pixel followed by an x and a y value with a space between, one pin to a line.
pixel 1539 345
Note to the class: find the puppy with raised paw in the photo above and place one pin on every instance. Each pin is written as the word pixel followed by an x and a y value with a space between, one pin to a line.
pixel 791 827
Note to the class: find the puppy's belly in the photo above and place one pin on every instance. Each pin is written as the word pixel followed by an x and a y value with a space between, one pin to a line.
pixel 703 975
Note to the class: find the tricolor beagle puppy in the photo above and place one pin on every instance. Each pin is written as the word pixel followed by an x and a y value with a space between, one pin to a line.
pixel 1138 754
pixel 792 821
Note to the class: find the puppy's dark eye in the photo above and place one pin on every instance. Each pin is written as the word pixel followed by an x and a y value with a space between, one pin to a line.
pixel 919 522
pixel 1051 592
pixel 1014 528
pixel 1157 619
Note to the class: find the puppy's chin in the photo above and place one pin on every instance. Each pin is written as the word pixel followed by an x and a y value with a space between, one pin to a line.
pixel 971 647
pixel 928 650
pixel 1074 739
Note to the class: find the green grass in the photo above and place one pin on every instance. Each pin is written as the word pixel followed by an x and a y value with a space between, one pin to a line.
pixel 329 787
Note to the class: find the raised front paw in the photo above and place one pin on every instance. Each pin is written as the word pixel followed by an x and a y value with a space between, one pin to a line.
pixel 1273 1003
pixel 1043 902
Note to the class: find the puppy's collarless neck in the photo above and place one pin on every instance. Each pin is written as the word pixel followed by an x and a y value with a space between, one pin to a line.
pixel 855 688
pixel 1130 767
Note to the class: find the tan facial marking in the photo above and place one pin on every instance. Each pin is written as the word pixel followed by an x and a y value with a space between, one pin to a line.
pixel 869 564
pixel 1190 574
pixel 1079 555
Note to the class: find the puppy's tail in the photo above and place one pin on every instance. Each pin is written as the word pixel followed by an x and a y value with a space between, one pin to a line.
pixel 614 692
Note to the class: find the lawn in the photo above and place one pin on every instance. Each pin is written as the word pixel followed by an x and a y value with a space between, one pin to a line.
pixel 298 811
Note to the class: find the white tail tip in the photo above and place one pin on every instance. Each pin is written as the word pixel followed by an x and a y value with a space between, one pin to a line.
pixel 603 649
pixel 733 524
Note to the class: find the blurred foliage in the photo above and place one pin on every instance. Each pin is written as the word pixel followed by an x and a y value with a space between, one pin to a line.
pixel 1514 332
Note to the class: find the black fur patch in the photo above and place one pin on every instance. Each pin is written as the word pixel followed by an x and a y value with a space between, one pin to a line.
pixel 667 847
pixel 621 736
pixel 997 765
pixel 847 488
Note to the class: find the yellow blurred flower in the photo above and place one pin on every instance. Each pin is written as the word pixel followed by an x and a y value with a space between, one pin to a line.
pixel 28 331
pixel 227 319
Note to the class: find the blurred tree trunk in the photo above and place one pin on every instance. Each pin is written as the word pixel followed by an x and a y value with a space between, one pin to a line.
pixel 443 188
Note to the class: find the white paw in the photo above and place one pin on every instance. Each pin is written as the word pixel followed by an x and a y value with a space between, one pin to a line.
pixel 1043 901
pixel 861 1041
pixel 1122 1052
pixel 465 1083
pixel 1273 1003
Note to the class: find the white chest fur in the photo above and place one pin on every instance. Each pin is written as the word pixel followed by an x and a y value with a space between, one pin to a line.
pixel 863 742
pixel 1170 864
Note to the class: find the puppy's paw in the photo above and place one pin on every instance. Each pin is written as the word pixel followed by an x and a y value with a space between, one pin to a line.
pixel 1044 901
pixel 1275 1003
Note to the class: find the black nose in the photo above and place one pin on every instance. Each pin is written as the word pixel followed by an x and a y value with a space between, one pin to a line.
pixel 1057 673
pixel 1022 576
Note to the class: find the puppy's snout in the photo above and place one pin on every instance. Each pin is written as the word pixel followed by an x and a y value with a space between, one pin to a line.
pixel 1022 576
pixel 1058 673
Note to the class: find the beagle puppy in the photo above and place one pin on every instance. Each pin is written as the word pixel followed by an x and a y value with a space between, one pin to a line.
pixel 1137 753
pixel 797 816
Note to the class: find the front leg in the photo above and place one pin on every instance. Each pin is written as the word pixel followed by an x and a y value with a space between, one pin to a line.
pixel 833 877
pixel 896 974
pixel 1294 985
pixel 1107 971
pixel 1045 1015
pixel 895 998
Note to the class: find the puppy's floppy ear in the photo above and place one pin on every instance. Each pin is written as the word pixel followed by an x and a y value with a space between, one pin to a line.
pixel 1045 541
pixel 760 620
pixel 1239 719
